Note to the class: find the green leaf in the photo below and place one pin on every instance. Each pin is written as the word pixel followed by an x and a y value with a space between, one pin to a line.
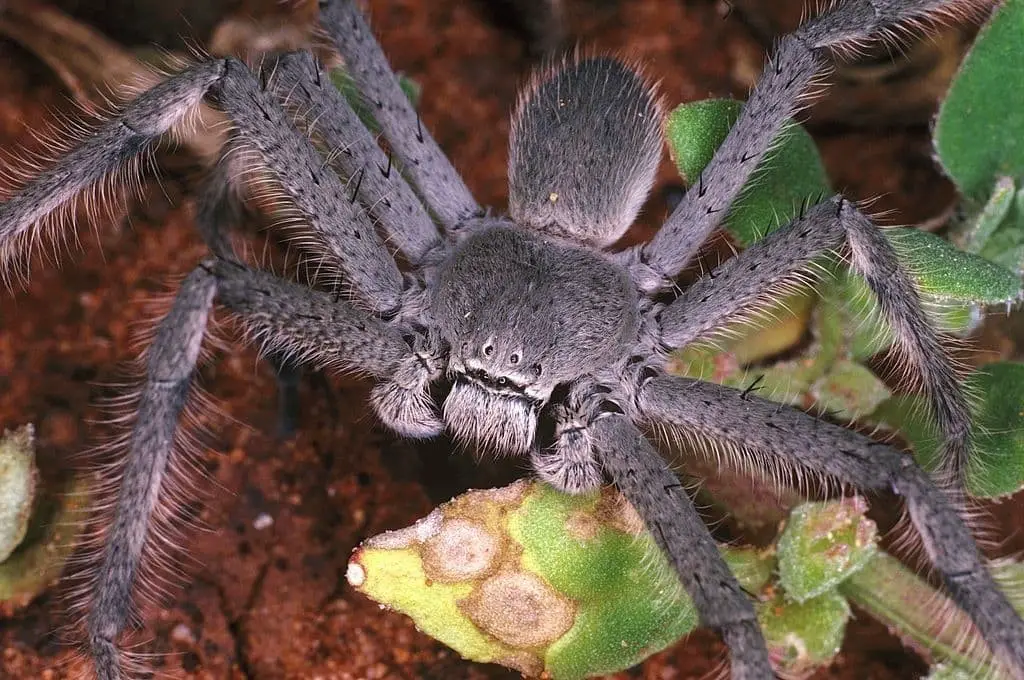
pixel 849 390
pixel 1005 247
pixel 822 545
pixel 851 312
pixel 753 567
pixel 955 285
pixel 947 274
pixel 51 538
pixel 790 173
pixel 803 636
pixel 596 592
pixel 923 618
pixel 996 467
pixel 18 480
pixel 979 133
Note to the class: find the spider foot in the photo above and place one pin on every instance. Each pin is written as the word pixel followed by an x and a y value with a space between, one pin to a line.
pixel 404 403
pixel 569 464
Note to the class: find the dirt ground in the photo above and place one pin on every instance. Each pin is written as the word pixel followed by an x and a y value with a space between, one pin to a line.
pixel 269 602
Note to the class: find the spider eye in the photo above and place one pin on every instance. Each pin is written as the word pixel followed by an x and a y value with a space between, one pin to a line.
pixel 514 359
pixel 537 370
pixel 488 350
pixel 502 381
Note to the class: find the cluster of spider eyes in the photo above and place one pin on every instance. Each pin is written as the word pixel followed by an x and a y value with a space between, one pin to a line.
pixel 513 359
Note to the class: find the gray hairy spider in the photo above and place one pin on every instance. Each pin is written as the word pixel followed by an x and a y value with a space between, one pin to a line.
pixel 524 334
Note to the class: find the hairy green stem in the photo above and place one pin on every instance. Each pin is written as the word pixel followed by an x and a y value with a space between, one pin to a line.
pixel 923 617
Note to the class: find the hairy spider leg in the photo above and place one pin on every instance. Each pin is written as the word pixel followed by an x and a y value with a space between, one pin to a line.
pixel 171 362
pixel 342 226
pixel 23 217
pixel 219 209
pixel 324 201
pixel 307 325
pixel 753 426
pixel 644 478
pixel 835 225
pixel 429 170
pixel 783 89
pixel 299 81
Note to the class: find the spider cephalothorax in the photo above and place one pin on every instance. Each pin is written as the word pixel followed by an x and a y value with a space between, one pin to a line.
pixel 523 334
pixel 539 315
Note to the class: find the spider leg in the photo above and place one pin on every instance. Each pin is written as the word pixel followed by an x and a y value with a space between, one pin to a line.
pixel 650 486
pixel 112 146
pixel 782 90
pixel 748 423
pixel 218 210
pixel 171 362
pixel 834 225
pixel 443 190
pixel 304 326
pixel 299 81
pixel 341 225
pixel 301 324
pixel 324 201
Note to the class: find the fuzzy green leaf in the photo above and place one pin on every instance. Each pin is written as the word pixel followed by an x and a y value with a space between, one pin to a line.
pixel 955 287
pixel 922 617
pixel 803 636
pixel 528 577
pixel 997 466
pixel 849 390
pixel 991 216
pixel 790 173
pixel 979 133
pixel 822 545
pixel 946 274
pixel 753 567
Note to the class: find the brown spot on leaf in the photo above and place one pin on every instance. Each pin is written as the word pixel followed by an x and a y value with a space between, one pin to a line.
pixel 460 551
pixel 520 610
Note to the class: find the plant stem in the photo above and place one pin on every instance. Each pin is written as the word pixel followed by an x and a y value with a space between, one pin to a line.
pixel 923 617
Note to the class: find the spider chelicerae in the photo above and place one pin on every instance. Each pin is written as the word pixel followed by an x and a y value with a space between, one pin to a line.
pixel 522 334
